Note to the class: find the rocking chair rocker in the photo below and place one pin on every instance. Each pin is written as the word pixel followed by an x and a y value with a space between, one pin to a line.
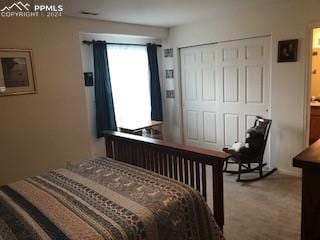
pixel 252 155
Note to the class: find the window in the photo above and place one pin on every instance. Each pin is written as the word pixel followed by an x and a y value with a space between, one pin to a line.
pixel 129 73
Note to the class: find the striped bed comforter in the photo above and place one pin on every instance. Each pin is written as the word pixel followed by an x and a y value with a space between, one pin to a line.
pixel 104 199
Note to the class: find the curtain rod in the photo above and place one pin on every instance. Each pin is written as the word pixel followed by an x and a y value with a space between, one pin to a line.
pixel 108 43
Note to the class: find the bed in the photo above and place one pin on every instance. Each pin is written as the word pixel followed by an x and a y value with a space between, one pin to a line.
pixel 136 192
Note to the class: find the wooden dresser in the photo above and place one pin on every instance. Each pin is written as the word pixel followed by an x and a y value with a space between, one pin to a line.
pixel 314 124
pixel 309 161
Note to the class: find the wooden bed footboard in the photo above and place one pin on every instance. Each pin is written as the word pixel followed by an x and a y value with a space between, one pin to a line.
pixel 183 163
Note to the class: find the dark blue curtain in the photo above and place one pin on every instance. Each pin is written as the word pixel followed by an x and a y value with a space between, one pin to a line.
pixel 155 91
pixel 105 116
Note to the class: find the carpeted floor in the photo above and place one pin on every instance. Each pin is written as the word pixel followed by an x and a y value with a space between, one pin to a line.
pixel 268 209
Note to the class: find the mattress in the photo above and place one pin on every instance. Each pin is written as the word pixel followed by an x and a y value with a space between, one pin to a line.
pixel 104 199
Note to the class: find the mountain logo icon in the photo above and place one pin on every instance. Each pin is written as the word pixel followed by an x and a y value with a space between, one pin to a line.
pixel 19 6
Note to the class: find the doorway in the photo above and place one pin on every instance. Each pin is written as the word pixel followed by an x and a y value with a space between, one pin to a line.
pixel 314 97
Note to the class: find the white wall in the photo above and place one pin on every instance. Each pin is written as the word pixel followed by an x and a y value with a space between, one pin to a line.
pixel 287 19
pixel 97 146
pixel 45 130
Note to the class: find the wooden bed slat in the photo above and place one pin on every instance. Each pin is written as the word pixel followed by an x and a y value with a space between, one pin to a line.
pixel 165 163
pixel 183 163
pixel 160 160
pixel 204 180
pixel 155 162
pixel 170 158
pixel 198 176
pixel 192 173
pixel 175 167
pixel 186 170
pixel 181 168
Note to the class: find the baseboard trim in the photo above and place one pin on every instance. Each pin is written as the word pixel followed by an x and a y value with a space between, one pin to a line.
pixel 297 173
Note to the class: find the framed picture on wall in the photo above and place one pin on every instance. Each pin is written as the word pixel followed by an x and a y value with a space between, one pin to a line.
pixel 16 72
pixel 288 50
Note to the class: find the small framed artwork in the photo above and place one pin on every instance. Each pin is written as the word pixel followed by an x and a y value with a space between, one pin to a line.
pixel 288 50
pixel 168 52
pixel 16 72
pixel 169 73
pixel 170 93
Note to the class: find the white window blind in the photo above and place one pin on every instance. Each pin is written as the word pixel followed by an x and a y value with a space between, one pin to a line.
pixel 129 73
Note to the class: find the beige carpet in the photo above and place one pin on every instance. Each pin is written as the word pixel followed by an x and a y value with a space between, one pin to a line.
pixel 268 209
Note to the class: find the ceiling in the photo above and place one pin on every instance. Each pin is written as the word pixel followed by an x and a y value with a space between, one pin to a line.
pixel 164 13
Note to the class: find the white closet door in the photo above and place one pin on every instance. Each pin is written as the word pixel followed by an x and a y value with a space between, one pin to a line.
pixel 199 96
pixel 224 86
pixel 243 86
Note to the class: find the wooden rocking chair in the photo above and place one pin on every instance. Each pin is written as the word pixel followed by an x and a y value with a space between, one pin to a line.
pixel 244 159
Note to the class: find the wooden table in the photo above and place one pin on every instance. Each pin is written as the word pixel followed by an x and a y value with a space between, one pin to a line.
pixel 136 129
pixel 309 161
